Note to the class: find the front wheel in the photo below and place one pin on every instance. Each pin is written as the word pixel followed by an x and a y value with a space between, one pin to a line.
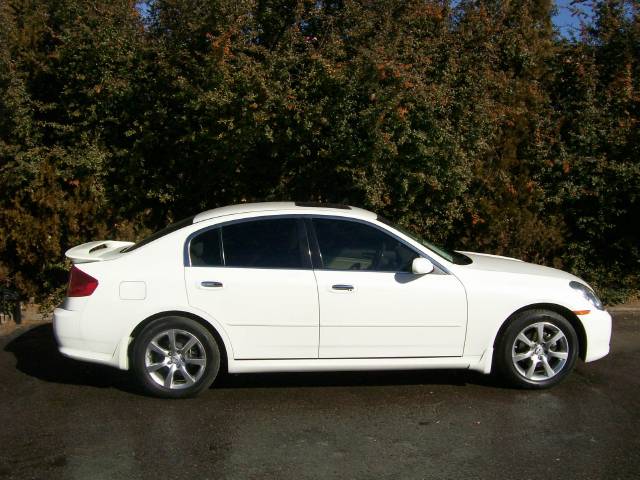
pixel 175 357
pixel 537 350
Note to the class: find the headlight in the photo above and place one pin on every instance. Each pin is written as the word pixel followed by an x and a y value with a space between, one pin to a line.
pixel 588 294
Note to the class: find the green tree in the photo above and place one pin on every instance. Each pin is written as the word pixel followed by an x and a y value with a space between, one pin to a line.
pixel 596 176
pixel 472 123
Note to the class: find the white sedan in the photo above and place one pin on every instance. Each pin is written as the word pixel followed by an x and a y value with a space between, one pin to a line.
pixel 283 287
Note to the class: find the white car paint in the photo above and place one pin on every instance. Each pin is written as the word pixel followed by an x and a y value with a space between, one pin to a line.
pixel 391 315
pixel 291 320
pixel 268 313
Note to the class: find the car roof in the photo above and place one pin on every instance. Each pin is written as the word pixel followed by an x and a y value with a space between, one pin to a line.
pixel 285 207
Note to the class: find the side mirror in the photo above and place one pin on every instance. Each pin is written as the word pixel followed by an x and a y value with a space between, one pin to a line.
pixel 421 266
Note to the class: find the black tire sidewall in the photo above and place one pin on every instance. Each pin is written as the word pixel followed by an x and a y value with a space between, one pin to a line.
pixel 165 323
pixel 503 352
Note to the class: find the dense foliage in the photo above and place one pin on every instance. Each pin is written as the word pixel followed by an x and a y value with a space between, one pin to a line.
pixel 471 122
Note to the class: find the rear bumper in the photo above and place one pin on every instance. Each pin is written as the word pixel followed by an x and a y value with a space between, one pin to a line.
pixel 597 326
pixel 68 333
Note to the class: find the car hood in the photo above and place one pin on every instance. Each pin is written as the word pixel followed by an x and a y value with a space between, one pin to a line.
pixel 496 263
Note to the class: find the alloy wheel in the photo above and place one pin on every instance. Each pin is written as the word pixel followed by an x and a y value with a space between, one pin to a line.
pixel 540 351
pixel 175 359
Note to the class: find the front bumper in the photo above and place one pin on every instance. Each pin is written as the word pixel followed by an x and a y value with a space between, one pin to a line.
pixel 597 326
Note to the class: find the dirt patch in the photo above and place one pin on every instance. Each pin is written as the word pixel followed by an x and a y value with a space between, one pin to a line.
pixel 31 315
pixel 631 306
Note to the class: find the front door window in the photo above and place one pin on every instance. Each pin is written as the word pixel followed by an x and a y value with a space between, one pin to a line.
pixel 347 245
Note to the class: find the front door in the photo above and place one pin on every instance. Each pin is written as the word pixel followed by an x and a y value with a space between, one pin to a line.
pixel 255 278
pixel 371 305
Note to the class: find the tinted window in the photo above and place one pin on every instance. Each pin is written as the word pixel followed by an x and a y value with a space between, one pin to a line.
pixel 205 249
pixel 161 233
pixel 347 245
pixel 272 243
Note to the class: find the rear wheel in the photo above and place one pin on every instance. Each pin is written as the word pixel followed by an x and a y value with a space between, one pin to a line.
pixel 175 357
pixel 537 350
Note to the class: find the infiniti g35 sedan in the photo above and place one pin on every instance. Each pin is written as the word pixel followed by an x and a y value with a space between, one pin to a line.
pixel 283 287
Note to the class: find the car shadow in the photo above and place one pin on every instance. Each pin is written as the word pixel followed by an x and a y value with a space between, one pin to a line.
pixel 37 355
pixel 357 379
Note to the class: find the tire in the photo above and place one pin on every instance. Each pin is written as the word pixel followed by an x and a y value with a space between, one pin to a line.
pixel 162 365
pixel 525 362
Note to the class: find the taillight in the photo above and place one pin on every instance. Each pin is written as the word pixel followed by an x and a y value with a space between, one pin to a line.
pixel 80 284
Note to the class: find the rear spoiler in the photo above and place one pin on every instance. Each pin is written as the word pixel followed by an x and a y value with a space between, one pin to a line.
pixel 96 251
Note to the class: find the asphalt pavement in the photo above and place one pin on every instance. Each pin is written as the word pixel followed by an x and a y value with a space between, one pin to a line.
pixel 70 420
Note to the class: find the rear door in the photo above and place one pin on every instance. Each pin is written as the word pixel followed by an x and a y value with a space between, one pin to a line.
pixel 254 276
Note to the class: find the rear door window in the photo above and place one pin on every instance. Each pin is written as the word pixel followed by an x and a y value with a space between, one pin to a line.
pixel 268 243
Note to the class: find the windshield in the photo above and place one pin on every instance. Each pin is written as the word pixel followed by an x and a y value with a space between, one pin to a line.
pixel 160 233
pixel 449 255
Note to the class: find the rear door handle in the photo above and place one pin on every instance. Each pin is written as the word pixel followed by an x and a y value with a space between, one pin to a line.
pixel 211 284
pixel 348 288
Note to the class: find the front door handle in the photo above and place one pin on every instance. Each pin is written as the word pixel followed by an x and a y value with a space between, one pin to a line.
pixel 348 288
pixel 210 284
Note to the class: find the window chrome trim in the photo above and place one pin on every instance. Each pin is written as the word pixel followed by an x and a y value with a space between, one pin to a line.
pixel 312 242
